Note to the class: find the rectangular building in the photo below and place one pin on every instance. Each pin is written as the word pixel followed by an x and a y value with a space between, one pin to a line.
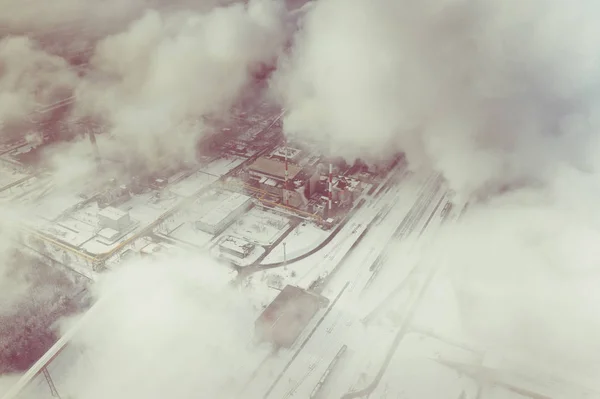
pixel 236 247
pixel 282 322
pixel 114 218
pixel 221 210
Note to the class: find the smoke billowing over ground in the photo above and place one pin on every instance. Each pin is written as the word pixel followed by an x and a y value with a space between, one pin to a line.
pixel 169 328
pixel 494 95
pixel 490 93
pixel 144 74
pixel 147 83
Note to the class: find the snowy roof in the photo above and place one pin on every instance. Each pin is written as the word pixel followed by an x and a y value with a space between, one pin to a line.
pixel 236 244
pixel 112 213
pixel 287 315
pixel 221 206
pixel 108 234
pixel 281 152
pixel 274 168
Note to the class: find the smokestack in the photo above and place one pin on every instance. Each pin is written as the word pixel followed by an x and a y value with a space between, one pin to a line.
pixel 95 148
pixel 285 186
pixel 330 186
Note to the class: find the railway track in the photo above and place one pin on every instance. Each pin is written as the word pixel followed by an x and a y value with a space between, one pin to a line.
pixel 409 223
pixel 413 304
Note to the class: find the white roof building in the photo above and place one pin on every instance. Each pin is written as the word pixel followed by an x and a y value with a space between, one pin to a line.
pixel 114 218
pixel 219 211
pixel 236 246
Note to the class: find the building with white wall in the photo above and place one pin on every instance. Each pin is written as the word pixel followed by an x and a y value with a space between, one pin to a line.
pixel 221 210
pixel 113 218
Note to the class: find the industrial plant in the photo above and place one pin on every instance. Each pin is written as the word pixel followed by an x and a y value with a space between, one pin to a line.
pixel 225 199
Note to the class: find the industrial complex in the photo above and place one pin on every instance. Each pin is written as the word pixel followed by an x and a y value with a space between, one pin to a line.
pixel 309 238
pixel 324 269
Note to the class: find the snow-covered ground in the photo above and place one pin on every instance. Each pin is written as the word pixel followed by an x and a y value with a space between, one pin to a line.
pixel 259 226
pixel 361 363
pixel 342 325
pixel 502 393
pixel 9 175
pixel 417 361
pixel 304 238
pixel 371 306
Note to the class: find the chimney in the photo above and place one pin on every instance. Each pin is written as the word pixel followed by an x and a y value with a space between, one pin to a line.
pixel 330 185
pixel 285 186
pixel 95 148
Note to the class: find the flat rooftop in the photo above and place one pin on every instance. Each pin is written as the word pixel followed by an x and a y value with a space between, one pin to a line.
pixel 236 244
pixel 282 322
pixel 283 151
pixel 220 206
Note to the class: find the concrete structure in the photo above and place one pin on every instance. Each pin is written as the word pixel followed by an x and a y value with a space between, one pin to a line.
pixel 221 210
pixel 236 246
pixel 113 218
pixel 292 154
pixel 282 322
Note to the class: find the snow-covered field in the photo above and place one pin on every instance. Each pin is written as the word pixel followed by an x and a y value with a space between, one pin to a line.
pixel 304 238
pixel 259 226
pixel 9 175
pixel 419 359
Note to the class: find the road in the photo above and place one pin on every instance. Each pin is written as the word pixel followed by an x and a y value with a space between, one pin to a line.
pixel 332 358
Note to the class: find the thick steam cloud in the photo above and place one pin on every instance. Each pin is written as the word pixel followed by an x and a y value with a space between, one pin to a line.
pixel 148 83
pixel 29 78
pixel 171 328
pixel 159 77
pixel 490 93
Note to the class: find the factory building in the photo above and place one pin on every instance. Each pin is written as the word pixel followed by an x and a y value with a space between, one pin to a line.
pixel 275 177
pixel 345 191
pixel 221 210
pixel 282 322
pixel 236 246
pixel 272 169
pixel 317 188
pixel 113 218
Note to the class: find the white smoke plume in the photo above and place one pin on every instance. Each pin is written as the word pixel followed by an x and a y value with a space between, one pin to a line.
pixel 523 269
pixel 29 79
pixel 495 95
pixel 173 328
pixel 490 93
pixel 150 78
pixel 154 82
